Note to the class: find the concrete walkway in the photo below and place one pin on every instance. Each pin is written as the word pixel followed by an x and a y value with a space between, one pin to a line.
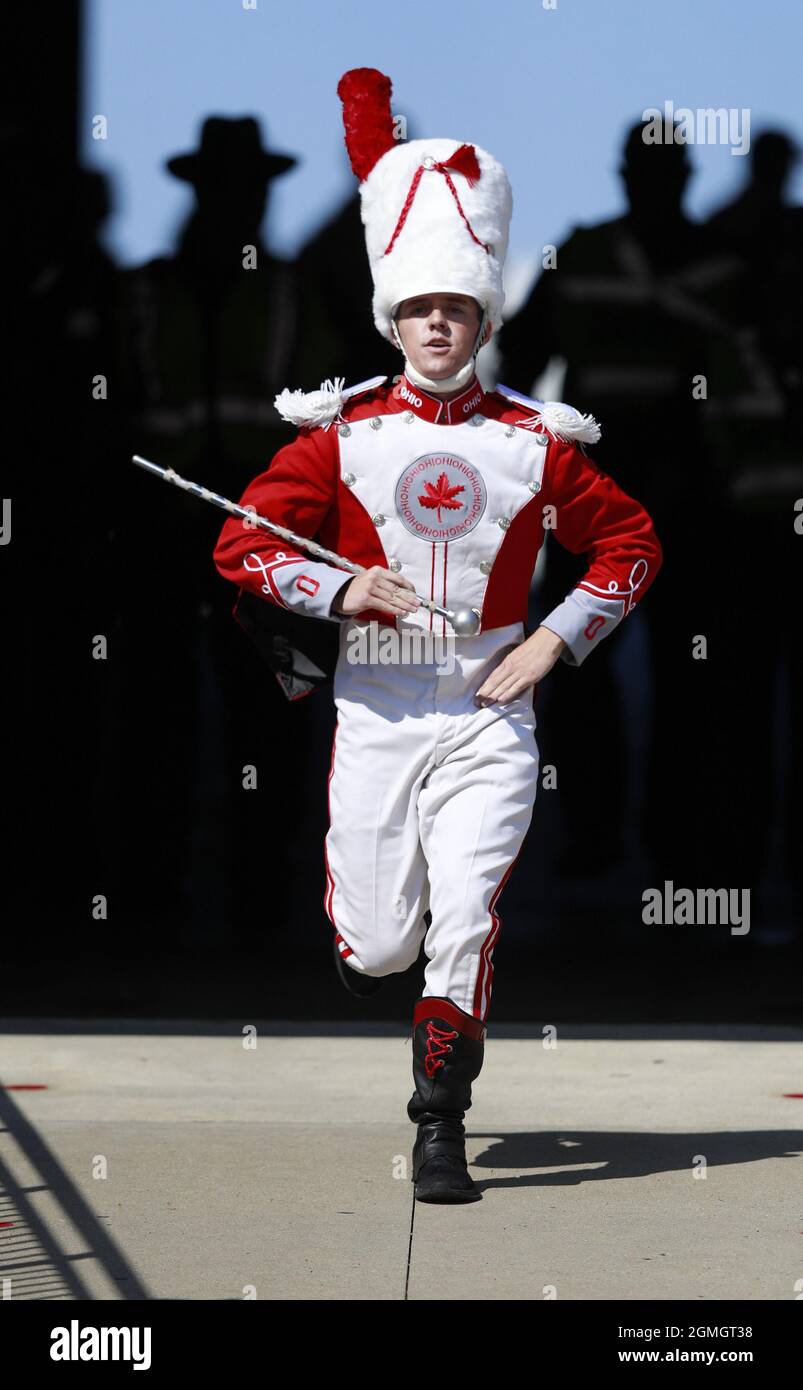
pixel 173 1161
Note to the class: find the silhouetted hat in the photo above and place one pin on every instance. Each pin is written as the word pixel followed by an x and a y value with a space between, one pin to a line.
pixel 228 141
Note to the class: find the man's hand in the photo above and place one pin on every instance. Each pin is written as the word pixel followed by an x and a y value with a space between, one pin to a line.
pixel 376 588
pixel 527 664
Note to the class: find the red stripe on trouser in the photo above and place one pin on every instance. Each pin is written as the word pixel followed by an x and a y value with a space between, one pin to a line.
pixel 485 974
pixel 330 883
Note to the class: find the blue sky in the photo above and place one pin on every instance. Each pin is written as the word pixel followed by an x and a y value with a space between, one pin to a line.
pixel 549 88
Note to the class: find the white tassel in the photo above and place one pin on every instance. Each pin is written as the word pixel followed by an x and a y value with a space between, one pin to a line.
pixel 560 419
pixel 312 408
pixel 567 424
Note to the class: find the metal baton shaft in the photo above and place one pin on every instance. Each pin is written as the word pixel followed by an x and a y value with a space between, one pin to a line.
pixel 169 475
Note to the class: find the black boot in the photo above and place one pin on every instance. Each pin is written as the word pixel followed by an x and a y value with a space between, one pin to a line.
pixel 448 1049
pixel 355 983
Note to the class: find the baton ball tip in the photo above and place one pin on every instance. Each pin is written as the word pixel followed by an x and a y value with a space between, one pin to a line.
pixel 466 622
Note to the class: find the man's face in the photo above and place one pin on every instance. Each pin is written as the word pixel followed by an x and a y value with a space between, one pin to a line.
pixel 438 332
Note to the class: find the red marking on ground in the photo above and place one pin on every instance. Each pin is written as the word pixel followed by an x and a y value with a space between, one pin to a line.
pixel 23 1086
pixel 793 1095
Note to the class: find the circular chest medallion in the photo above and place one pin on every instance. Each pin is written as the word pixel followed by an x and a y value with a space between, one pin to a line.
pixel 440 497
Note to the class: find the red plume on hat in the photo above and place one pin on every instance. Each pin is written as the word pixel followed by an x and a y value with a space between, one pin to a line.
pixel 365 94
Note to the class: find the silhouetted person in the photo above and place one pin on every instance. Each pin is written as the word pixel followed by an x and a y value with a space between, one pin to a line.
pixel 747 220
pixel 756 409
pixel 632 307
pixel 767 232
pixel 211 335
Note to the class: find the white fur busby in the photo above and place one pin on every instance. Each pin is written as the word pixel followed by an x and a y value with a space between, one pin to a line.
pixel 436 212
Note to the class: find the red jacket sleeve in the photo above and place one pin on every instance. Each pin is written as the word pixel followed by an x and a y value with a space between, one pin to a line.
pixel 591 515
pixel 297 490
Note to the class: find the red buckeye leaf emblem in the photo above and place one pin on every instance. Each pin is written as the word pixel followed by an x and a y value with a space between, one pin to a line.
pixel 441 495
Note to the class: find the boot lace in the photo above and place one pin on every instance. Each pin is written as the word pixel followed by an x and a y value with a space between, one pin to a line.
pixel 436 1045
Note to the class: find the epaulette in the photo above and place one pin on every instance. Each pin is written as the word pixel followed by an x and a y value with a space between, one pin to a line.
pixel 562 420
pixel 311 409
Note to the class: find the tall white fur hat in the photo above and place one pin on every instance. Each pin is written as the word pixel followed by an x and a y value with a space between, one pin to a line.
pixel 436 212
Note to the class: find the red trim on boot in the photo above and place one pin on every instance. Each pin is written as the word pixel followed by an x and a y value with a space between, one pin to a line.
pixel 433 1006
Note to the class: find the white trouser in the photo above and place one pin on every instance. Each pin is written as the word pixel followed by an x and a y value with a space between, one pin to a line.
pixel 430 798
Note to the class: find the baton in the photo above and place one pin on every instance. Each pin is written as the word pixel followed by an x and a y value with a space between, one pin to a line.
pixel 465 621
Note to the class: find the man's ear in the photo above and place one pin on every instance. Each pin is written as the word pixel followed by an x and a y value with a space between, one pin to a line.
pixel 487 334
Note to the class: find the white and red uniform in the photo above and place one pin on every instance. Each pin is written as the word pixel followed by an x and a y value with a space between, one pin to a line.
pixel 430 794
